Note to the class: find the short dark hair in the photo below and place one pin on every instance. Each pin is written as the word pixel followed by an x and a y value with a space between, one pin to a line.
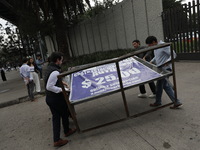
pixel 56 55
pixel 24 60
pixel 137 41
pixel 151 39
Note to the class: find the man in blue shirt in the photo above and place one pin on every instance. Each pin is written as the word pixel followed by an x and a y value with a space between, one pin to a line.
pixel 161 56
pixel 39 62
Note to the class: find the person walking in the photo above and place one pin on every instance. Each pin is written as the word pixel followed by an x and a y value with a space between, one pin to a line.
pixel 147 57
pixel 55 99
pixel 27 77
pixel 161 56
pixel 34 72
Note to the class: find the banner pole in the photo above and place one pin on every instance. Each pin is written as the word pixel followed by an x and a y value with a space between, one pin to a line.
pixel 174 74
pixel 70 107
pixel 122 89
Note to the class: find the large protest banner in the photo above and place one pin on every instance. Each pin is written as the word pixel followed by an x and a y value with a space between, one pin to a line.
pixel 104 79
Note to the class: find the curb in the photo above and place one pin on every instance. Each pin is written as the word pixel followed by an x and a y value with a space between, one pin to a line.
pixel 20 100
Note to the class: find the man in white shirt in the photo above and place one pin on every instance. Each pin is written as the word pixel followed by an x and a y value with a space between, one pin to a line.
pixel 28 79
pixel 56 101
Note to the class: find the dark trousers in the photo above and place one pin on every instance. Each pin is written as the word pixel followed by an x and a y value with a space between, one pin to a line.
pixel 30 88
pixel 151 85
pixel 40 70
pixel 59 111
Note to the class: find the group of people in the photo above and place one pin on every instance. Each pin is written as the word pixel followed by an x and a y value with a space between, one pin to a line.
pixel 29 72
pixel 55 98
pixel 160 56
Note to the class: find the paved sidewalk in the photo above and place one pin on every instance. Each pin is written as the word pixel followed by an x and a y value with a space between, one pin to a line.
pixel 27 126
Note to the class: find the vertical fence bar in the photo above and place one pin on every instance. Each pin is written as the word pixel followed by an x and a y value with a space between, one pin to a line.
pixel 176 17
pixel 198 18
pixel 172 27
pixel 183 28
pixel 164 25
pixel 175 29
pixel 168 25
pixel 190 26
pixel 187 30
pixel 180 30
pixel 194 26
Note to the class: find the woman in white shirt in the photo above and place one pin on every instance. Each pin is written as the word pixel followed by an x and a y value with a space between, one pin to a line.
pixel 33 71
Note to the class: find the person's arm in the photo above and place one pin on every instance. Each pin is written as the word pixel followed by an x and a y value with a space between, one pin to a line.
pixel 65 84
pixel 153 61
pixel 36 68
pixel 168 52
pixel 51 83
pixel 148 56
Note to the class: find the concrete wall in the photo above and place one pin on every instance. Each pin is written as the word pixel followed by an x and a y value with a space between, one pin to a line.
pixel 117 27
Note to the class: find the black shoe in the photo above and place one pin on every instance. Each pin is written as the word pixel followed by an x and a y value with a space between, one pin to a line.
pixel 176 106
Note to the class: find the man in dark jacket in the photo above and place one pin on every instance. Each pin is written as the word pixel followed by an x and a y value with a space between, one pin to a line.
pixel 55 99
pixel 147 57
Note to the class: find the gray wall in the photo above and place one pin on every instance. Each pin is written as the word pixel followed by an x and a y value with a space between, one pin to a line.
pixel 117 27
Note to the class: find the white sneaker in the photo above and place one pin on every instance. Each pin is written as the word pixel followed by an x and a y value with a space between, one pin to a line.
pixel 152 95
pixel 142 95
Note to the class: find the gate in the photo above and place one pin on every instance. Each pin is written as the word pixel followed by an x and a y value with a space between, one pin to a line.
pixel 181 27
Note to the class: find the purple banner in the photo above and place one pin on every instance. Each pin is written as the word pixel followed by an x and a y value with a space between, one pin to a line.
pixel 103 79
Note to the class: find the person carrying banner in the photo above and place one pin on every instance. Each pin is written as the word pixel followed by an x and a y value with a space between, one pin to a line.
pixel 161 56
pixel 147 57
pixel 55 99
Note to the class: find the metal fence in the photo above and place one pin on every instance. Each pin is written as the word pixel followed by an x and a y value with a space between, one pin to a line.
pixel 181 26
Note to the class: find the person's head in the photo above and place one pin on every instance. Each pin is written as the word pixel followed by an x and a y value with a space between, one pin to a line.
pixel 151 41
pixel 136 43
pixel 38 57
pixel 57 58
pixel 24 60
pixel 31 60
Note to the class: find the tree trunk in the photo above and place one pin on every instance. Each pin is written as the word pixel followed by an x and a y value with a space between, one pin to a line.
pixel 60 28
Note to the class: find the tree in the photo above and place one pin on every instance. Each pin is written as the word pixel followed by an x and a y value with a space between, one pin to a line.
pixel 10 49
pixel 171 3
pixel 50 16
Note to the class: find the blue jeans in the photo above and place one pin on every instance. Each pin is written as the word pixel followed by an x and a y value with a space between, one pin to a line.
pixel 163 84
